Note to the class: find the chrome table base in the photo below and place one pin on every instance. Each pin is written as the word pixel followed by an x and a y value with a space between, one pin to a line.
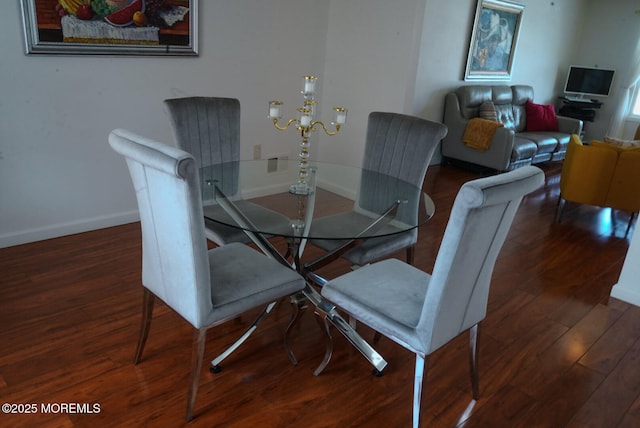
pixel 326 310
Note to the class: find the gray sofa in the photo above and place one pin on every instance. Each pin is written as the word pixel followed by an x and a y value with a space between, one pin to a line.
pixel 511 147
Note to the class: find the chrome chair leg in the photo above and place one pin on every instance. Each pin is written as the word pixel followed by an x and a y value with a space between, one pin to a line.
pixel 215 363
pixel 474 333
pixel 411 252
pixel 148 299
pixel 197 355
pixel 422 366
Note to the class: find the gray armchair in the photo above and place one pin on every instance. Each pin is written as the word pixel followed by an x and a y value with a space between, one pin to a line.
pixel 209 129
pixel 423 312
pixel 397 145
pixel 205 287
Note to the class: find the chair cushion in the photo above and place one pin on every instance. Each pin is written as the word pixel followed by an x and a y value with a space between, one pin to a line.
pixel 352 223
pixel 374 296
pixel 541 117
pixel 242 278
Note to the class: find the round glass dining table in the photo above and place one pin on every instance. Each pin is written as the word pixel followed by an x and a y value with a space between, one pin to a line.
pixel 377 204
pixel 267 198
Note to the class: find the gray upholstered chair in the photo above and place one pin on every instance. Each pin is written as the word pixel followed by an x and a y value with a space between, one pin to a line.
pixel 209 129
pixel 397 145
pixel 205 287
pixel 423 312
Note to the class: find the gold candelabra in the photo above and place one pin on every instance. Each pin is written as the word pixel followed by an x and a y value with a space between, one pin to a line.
pixel 305 123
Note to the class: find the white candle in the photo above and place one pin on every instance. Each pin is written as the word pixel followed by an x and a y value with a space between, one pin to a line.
pixel 341 115
pixel 308 87
pixel 274 109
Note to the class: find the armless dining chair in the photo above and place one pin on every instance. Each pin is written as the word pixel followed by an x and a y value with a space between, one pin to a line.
pixel 423 312
pixel 209 129
pixel 205 287
pixel 399 146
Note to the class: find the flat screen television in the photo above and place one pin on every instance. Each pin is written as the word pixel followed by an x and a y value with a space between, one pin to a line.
pixel 589 81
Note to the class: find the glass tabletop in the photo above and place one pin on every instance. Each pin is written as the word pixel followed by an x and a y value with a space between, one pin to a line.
pixel 345 202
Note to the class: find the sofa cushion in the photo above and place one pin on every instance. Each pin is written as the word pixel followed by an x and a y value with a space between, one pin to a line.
pixel 562 138
pixel 470 97
pixel 505 116
pixel 545 141
pixel 520 95
pixel 541 117
pixel 523 149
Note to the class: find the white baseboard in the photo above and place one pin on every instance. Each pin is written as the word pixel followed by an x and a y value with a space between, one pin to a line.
pixel 283 188
pixel 57 230
pixel 627 294
pixel 339 190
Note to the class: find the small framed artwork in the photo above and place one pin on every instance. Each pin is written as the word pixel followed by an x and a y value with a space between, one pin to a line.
pixel 493 40
pixel 110 27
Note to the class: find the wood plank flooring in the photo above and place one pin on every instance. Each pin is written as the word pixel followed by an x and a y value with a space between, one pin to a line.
pixel 556 351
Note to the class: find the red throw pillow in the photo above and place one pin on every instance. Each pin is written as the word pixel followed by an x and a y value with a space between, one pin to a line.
pixel 541 117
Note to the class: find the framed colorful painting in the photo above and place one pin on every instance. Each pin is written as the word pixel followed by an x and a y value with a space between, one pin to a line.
pixel 116 27
pixel 493 40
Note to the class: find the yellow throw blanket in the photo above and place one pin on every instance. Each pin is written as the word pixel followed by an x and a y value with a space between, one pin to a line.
pixel 479 133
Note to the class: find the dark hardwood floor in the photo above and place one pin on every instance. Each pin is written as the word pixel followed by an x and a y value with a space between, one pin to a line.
pixel 556 350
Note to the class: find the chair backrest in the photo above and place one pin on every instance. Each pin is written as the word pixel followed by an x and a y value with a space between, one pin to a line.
pixel 175 264
pixel 480 219
pixel 209 129
pixel 587 171
pixel 400 146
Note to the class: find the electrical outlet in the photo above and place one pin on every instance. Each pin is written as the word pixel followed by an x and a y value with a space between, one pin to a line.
pixel 272 165
pixel 277 163
pixel 257 151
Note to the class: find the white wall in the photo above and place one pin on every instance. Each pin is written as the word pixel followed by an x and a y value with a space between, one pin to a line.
pixel 628 286
pixel 58 175
pixel 57 172
pixel 611 31
pixel 372 51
